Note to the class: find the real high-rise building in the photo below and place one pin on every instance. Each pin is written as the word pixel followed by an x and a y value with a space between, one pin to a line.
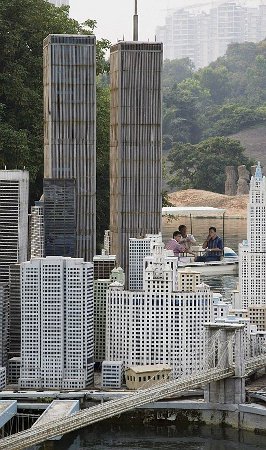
pixel 252 253
pixel 203 36
pixel 59 2
pixel 69 127
pixel 56 323
pixel 14 193
pixel 135 147
pixel 160 324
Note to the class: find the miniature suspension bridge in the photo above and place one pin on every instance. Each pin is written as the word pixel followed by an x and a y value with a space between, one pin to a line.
pixel 228 364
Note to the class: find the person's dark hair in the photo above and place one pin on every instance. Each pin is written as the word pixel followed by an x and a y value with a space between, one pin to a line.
pixel 212 228
pixel 181 227
pixel 176 233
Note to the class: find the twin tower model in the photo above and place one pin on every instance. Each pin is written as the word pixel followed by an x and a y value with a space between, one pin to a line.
pixel 135 140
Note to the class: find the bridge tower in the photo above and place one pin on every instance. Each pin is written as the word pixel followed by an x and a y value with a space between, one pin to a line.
pixel 225 349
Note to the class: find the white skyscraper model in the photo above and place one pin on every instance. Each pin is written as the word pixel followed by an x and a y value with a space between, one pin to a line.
pixel 252 253
pixel 138 249
pixel 56 323
pixel 158 325
pixel 14 194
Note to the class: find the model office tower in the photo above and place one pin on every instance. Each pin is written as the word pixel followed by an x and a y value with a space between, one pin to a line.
pixel 159 324
pixel 14 193
pixel 252 253
pixel 135 153
pixel 69 136
pixel 139 248
pixel 37 230
pixel 56 323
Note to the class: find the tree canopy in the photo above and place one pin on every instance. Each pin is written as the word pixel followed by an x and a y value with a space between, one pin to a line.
pixel 23 26
pixel 202 166
pixel 215 101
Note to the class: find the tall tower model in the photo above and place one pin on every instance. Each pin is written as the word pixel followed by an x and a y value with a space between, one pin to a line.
pixel 14 193
pixel 69 127
pixel 135 153
pixel 252 253
pixel 56 323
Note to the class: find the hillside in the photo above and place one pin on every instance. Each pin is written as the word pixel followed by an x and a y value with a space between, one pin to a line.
pixel 235 206
pixel 253 140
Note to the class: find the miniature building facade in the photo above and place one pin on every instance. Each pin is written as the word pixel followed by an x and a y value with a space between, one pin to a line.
pixel 112 374
pixel 135 144
pixel 140 376
pixel 70 127
pixel 252 253
pixel 56 323
pixel 14 193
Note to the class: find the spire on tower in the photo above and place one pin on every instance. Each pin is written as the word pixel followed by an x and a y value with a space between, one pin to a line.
pixel 258 173
pixel 135 23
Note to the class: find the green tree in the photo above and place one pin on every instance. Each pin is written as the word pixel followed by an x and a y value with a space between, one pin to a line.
pixel 23 26
pixel 102 169
pixel 182 111
pixel 176 71
pixel 202 166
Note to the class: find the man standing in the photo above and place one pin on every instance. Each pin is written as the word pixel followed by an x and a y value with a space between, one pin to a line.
pixel 214 247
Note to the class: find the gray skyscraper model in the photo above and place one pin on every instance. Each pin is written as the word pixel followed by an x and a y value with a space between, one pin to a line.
pixel 135 159
pixel 69 126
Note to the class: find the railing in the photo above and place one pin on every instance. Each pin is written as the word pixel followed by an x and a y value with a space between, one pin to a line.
pixel 111 408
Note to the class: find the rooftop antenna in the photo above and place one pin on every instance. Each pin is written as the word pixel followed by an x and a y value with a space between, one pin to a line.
pixel 135 23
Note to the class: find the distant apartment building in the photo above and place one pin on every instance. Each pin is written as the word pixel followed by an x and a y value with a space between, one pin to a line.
pixel 59 2
pixel 14 193
pixel 252 252
pixel 56 323
pixel 203 36
pixel 135 144
pixel 159 324
pixel 70 142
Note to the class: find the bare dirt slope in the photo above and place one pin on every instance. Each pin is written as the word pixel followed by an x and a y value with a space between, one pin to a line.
pixel 235 206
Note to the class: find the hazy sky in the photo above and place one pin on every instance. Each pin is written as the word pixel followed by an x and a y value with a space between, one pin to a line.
pixel 114 17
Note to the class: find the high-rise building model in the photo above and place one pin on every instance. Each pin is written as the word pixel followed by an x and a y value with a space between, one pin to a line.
pixel 4 298
pixel 14 193
pixel 56 323
pixel 69 129
pixel 139 248
pixel 59 217
pixel 100 287
pixel 161 324
pixel 203 36
pixel 37 231
pixel 252 253
pixel 135 146
pixel 14 311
